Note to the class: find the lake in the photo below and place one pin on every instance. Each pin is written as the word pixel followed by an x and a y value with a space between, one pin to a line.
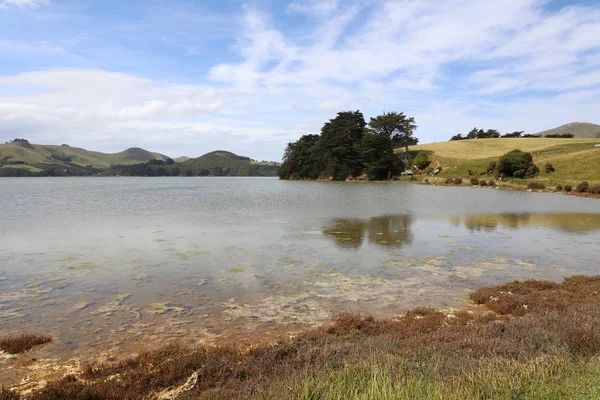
pixel 113 264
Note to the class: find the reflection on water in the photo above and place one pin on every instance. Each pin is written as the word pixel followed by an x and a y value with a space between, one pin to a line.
pixel 387 230
pixel 570 222
pixel 122 263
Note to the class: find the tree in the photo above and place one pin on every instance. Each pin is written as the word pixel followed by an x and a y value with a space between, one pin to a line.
pixel 339 145
pixel 421 161
pixel 378 157
pixel 397 127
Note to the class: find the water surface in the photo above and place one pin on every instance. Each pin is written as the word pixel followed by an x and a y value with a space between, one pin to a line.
pixel 123 262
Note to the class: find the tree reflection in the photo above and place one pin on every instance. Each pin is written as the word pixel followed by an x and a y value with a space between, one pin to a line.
pixel 570 222
pixel 387 230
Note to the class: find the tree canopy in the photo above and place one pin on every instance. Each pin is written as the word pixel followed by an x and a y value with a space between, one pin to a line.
pixel 347 147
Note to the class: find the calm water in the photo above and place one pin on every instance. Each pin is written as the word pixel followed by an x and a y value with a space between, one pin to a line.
pixel 123 262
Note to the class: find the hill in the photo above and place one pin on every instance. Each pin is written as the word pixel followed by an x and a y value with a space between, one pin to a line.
pixel 225 163
pixel 181 159
pixel 36 157
pixel 578 129
pixel 574 159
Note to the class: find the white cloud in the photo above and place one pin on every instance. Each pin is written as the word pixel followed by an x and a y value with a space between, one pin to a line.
pixel 23 3
pixel 314 7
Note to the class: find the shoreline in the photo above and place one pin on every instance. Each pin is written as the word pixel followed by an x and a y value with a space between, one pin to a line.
pixel 470 336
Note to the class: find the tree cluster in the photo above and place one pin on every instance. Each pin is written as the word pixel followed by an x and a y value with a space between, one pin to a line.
pixel 348 147
pixel 494 134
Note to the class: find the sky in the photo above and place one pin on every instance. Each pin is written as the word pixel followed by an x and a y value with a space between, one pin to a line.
pixel 188 77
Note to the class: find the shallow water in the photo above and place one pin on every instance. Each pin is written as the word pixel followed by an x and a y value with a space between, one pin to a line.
pixel 127 262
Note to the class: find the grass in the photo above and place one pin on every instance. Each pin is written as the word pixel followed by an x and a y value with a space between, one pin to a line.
pixel 22 343
pixel 574 160
pixel 541 341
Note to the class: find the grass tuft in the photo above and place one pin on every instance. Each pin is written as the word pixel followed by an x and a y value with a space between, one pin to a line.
pixel 22 343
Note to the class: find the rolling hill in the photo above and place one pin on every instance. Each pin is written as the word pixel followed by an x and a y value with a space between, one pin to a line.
pixel 573 159
pixel 580 130
pixel 225 163
pixel 37 157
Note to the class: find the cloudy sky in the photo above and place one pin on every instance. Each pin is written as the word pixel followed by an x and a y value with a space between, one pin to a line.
pixel 187 77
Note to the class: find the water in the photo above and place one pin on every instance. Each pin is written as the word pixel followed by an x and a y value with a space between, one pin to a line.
pixel 127 263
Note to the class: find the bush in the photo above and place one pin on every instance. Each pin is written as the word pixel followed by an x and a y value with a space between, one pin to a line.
pixel 568 188
pixel 515 161
pixel 492 183
pixel 449 181
pixel 594 190
pixel 536 186
pixel 582 187
pixel 549 168
pixel 421 161
pixel 519 173
pixel 482 183
pixel 532 171
pixel 491 168
pixel 413 178
pixel 559 188
pixel 474 181
pixel 429 170
pixel 22 343
pixel 458 181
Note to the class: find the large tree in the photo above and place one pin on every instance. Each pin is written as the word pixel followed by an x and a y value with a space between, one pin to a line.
pixel 397 126
pixel 339 146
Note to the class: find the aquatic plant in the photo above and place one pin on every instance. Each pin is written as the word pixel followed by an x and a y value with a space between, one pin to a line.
pixel 23 342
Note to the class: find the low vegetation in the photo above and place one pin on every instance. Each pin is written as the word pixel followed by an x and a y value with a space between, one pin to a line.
pixel 22 343
pixel 540 340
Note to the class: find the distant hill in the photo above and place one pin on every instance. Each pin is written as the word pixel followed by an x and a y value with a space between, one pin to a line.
pixel 36 157
pixel 225 163
pixel 578 129
pixel 181 159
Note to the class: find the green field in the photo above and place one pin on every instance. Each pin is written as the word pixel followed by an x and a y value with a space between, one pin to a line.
pixel 574 160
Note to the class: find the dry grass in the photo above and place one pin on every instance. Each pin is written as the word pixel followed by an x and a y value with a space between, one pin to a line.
pixel 542 341
pixel 22 343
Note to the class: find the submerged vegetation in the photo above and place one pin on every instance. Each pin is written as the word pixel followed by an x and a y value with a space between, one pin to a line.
pixel 538 340
pixel 22 343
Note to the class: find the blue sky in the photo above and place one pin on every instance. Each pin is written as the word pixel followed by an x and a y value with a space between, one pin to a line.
pixel 187 77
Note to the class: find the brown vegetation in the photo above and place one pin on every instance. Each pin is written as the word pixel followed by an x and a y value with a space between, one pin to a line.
pixel 582 187
pixel 22 343
pixel 531 320
pixel 536 186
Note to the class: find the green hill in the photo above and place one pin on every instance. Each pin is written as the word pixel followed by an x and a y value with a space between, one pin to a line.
pixel 578 129
pixel 225 163
pixel 574 160
pixel 36 157
pixel 37 153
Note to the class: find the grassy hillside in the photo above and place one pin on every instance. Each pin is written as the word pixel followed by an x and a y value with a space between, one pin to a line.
pixel 574 160
pixel 224 163
pixel 579 129
pixel 46 156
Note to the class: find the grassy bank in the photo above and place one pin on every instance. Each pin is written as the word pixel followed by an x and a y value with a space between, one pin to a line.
pixel 531 340
pixel 574 160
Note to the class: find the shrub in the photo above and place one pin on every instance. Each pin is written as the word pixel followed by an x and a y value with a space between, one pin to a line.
pixel 458 181
pixel 514 161
pixel 582 187
pixel 22 343
pixel 568 188
pixel 429 170
pixel 491 168
pixel 594 190
pixel 413 178
pixel 519 173
pixel 536 186
pixel 482 183
pixel 449 181
pixel 421 160
pixel 549 168
pixel 474 181
pixel 532 171
pixel 492 183
pixel 559 188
